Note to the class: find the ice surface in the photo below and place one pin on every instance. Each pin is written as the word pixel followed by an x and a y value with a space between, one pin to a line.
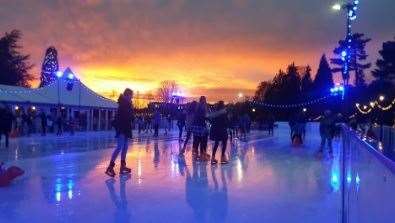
pixel 267 180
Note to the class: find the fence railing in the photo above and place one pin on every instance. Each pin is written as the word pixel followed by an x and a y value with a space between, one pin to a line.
pixel 368 185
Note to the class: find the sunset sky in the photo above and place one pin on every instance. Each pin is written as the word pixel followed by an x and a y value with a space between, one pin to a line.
pixel 210 47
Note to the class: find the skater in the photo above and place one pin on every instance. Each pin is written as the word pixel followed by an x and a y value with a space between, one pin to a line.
pixel 44 123
pixel 59 122
pixel 181 124
pixel 156 122
pixel 188 125
pixel 200 132
pixel 123 126
pixel 147 123
pixel 218 132
pixel 326 131
pixel 140 124
pixel 6 119
pixel 243 123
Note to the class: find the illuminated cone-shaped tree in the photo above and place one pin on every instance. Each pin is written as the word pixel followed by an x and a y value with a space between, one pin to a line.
pixel 50 67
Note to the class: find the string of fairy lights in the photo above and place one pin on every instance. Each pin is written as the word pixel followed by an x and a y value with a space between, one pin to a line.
pixel 366 109
pixel 295 105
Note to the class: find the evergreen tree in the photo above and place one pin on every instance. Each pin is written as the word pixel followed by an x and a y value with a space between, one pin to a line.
pixel 357 56
pixel 262 90
pixel 307 81
pixel 292 84
pixel 384 74
pixel 324 78
pixel 49 67
pixel 14 66
pixel 385 70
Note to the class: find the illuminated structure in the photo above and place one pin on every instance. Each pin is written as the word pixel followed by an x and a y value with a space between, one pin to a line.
pixel 50 67
pixel 346 54
pixel 67 95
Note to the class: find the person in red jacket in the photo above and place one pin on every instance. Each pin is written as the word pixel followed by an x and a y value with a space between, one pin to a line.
pixel 123 127
pixel 9 174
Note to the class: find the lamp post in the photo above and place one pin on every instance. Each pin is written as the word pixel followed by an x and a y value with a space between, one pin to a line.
pixel 59 75
pixel 351 14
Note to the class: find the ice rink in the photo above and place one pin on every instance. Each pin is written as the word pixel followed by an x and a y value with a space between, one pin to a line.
pixel 267 180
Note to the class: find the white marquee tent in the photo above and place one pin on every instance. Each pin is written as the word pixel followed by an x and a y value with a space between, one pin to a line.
pixel 55 94
pixel 68 95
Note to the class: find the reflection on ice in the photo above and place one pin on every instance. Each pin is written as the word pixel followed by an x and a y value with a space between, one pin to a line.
pixel 264 180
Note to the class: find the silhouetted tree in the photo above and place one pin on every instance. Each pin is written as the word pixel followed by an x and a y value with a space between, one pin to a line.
pixel 324 78
pixel 14 66
pixel 291 88
pixel 384 74
pixel 357 56
pixel 306 81
pixel 386 64
pixel 166 90
pixel 49 67
pixel 263 88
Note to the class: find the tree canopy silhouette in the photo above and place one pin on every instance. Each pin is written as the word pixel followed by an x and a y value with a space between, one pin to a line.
pixel 324 78
pixel 386 64
pixel 306 83
pixel 14 66
pixel 357 56
pixel 384 74
pixel 166 90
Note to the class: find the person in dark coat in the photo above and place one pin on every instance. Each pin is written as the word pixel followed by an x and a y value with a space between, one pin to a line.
pixel 6 119
pixel 200 131
pixel 327 126
pixel 190 116
pixel 218 132
pixel 44 123
pixel 156 122
pixel 59 123
pixel 123 126
pixel 181 119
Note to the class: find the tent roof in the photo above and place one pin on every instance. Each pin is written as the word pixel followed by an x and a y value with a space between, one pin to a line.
pixel 79 95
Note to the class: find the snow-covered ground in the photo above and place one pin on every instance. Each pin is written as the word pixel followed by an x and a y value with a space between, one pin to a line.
pixel 267 180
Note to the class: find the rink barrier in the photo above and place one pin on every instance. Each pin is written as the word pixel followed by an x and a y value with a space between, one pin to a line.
pixel 368 180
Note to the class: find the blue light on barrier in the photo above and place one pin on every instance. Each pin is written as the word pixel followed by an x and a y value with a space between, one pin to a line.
pixel 357 179
pixel 58 196
pixel 70 194
pixel 70 76
pixel 59 74
pixel 349 178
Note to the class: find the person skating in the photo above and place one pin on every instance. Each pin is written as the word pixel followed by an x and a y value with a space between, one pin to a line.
pixel 327 126
pixel 59 123
pixel 200 132
pixel 156 122
pixel 123 126
pixel 181 119
pixel 6 119
pixel 218 132
pixel 44 123
pixel 188 125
